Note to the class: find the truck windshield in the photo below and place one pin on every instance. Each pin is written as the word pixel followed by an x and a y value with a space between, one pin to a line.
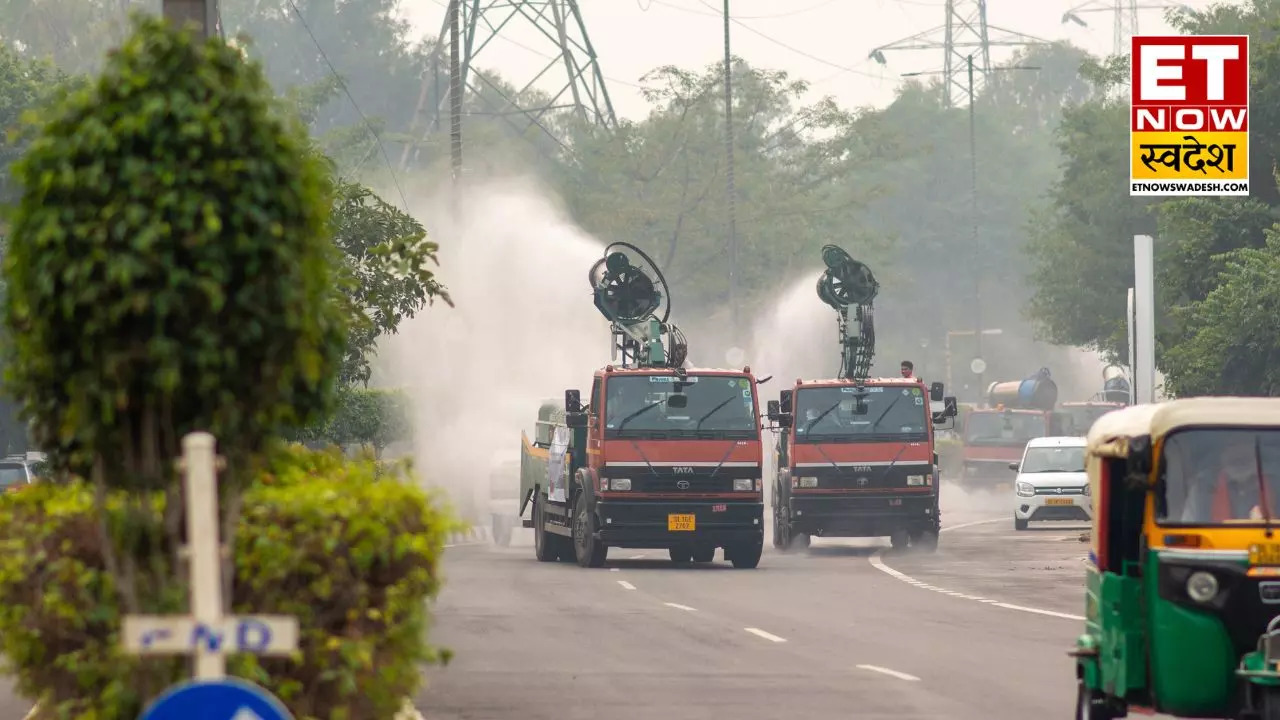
pixel 719 405
pixel 1210 477
pixel 1082 417
pixel 867 413
pixel 998 428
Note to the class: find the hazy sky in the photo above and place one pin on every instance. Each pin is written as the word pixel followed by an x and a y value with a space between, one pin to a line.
pixel 823 41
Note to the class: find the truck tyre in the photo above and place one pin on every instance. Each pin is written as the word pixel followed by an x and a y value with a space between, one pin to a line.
pixel 544 546
pixel 746 556
pixel 926 541
pixel 704 554
pixel 801 541
pixel 898 539
pixel 589 551
pixel 681 555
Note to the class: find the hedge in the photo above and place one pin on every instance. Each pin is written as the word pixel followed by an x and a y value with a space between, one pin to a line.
pixel 350 547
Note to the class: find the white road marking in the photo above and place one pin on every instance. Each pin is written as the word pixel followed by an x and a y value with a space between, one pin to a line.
pixel 614 569
pixel 961 526
pixel 878 564
pixel 767 636
pixel 678 606
pixel 890 673
pixel 626 585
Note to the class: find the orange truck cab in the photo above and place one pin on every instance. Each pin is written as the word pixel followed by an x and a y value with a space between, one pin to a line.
pixel 996 435
pixel 856 458
pixel 658 458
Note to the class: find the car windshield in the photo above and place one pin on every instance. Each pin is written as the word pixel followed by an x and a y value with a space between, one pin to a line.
pixel 1053 460
pixel 1210 476
pixel 715 406
pixel 1012 429
pixel 868 413
pixel 12 474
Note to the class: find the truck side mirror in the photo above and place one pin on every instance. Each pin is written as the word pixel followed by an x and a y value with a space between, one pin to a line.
pixel 773 410
pixel 572 401
pixel 575 419
pixel 784 401
pixel 935 392
pixel 784 420
pixel 949 407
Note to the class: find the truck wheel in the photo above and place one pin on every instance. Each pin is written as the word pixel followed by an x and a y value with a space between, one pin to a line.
pixel 681 555
pixel 781 532
pixel 898 539
pixel 704 554
pixel 544 546
pixel 926 541
pixel 589 551
pixel 800 541
pixel 746 556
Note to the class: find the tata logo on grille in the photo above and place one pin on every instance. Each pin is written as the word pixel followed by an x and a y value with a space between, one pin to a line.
pixel 682 470
pixel 683 484
pixel 862 482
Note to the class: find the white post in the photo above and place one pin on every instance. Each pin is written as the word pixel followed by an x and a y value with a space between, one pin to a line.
pixel 202 539
pixel 1129 319
pixel 1144 331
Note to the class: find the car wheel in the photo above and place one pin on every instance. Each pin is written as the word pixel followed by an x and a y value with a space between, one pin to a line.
pixel 1020 524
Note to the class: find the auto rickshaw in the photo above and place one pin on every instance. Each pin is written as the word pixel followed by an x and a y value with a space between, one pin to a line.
pixel 1182 605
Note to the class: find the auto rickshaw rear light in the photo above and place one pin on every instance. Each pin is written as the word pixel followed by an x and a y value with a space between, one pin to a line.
pixel 1202 586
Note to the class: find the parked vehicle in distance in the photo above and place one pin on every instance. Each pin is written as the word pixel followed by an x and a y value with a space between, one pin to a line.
pixel 1051 483
pixel 16 473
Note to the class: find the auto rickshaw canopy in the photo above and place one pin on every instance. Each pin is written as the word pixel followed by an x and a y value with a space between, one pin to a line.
pixel 1110 434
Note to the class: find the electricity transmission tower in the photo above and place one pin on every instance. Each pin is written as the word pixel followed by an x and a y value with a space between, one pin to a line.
pixel 965 32
pixel 1124 14
pixel 561 38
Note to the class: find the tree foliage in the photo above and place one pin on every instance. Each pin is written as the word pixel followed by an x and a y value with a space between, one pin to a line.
pixel 169 269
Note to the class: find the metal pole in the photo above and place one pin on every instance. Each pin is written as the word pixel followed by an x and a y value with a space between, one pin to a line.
pixel 973 209
pixel 455 93
pixel 731 191
pixel 202 13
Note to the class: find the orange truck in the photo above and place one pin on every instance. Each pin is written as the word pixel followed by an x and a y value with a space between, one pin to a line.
pixel 996 435
pixel 855 455
pixel 661 456
pixel 856 458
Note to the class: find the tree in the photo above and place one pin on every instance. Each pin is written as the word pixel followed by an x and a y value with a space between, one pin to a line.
pixel 24 86
pixel 168 271
pixel 389 259
pixel 1232 344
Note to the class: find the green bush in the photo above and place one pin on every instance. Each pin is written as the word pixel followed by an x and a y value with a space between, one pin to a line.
pixel 350 548
pixel 169 266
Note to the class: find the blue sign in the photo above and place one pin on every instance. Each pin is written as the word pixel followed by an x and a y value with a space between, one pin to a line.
pixel 228 699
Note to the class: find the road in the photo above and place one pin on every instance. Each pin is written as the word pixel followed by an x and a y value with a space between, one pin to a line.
pixel 847 629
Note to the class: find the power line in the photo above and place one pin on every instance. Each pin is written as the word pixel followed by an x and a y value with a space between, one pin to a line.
pixel 365 120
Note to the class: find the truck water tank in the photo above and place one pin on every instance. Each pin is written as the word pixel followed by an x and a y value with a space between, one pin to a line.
pixel 1038 392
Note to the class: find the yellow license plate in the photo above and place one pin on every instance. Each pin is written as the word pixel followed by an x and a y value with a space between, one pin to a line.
pixel 1264 554
pixel 1058 501
pixel 681 523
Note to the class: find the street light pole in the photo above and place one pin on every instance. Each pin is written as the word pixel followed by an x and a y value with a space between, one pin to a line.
pixel 731 191
pixel 973 218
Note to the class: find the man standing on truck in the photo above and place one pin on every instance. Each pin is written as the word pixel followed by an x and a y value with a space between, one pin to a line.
pixel 908 369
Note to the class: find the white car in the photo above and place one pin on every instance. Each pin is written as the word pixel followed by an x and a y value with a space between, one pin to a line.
pixel 1051 483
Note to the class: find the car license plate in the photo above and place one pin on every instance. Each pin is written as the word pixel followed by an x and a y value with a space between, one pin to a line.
pixel 681 523
pixel 1264 554
pixel 1058 501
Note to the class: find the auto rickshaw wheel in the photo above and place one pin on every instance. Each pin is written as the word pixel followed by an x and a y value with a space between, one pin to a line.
pixel 1092 705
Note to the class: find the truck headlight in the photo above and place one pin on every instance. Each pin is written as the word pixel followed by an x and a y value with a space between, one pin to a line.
pixel 744 484
pixel 620 484
pixel 915 480
pixel 1025 489
pixel 1202 586
pixel 808 482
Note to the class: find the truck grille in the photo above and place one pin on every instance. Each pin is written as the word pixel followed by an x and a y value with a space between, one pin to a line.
pixel 682 483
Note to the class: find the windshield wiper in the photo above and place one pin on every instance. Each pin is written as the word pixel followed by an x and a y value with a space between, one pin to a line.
pixel 713 411
pixel 821 415
pixel 638 413
pixel 884 412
